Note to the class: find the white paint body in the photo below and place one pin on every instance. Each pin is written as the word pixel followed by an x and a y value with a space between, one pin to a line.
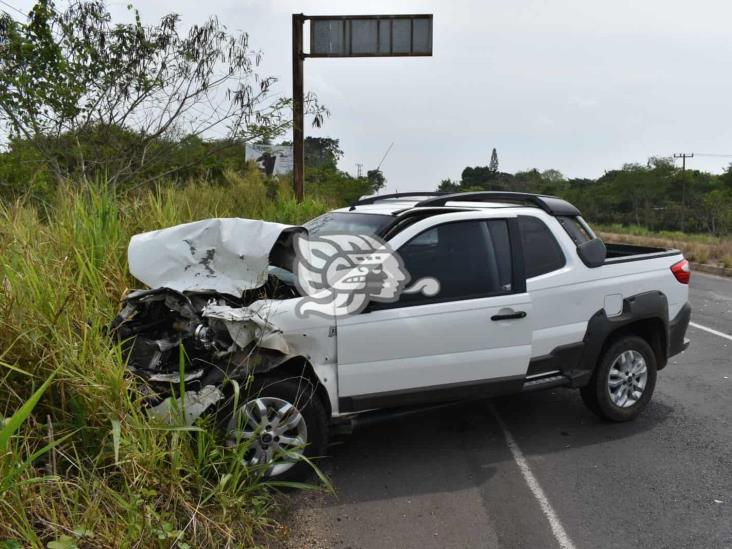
pixel 438 344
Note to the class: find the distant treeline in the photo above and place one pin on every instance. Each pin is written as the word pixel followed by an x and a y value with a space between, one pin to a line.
pixel 36 167
pixel 658 195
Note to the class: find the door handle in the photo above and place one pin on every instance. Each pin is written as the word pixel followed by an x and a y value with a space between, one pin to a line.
pixel 509 316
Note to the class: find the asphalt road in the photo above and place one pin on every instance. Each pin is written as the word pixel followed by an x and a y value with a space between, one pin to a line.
pixel 539 470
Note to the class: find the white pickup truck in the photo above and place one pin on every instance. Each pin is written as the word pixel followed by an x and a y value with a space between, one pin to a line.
pixel 529 298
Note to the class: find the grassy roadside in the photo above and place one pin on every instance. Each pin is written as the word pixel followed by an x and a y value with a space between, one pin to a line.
pixel 113 478
pixel 700 248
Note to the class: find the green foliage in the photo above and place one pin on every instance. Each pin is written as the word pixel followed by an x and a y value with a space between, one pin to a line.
pixel 323 179
pixel 23 170
pixel 106 475
pixel 120 100
pixel 333 185
pixel 322 152
pixel 449 186
pixel 13 423
pixel 658 196
pixel 483 178
pixel 376 180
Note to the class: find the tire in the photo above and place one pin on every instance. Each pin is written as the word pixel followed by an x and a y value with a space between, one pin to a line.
pixel 299 396
pixel 626 369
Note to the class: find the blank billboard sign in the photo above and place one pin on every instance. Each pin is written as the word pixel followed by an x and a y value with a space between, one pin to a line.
pixel 370 35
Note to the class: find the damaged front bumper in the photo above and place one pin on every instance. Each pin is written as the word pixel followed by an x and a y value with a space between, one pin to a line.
pixel 197 343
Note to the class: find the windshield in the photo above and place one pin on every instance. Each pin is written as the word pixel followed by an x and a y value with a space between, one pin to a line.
pixel 348 223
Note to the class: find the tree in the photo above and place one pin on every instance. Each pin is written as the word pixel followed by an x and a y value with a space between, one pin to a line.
pixel 73 78
pixel 648 194
pixel 322 151
pixel 376 179
pixel 527 181
pixel 552 176
pixel 726 177
pixel 479 176
pixel 493 166
pixel 449 186
pixel 718 211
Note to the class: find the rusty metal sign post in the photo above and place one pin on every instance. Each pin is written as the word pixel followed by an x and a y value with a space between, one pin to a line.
pixel 349 36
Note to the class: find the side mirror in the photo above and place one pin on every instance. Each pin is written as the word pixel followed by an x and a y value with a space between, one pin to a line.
pixel 592 253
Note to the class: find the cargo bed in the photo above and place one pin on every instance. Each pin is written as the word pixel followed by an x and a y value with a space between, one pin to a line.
pixel 619 253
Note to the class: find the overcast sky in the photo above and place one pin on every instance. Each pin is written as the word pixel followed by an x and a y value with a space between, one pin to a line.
pixel 576 85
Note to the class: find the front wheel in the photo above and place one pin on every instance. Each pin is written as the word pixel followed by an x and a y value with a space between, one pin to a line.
pixel 623 382
pixel 281 420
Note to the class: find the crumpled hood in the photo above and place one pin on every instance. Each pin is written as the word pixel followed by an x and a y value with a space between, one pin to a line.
pixel 224 255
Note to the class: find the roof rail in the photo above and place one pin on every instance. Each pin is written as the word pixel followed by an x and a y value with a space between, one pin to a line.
pixel 550 204
pixel 377 197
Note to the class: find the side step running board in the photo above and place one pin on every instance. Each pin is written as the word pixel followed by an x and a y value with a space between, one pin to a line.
pixel 545 383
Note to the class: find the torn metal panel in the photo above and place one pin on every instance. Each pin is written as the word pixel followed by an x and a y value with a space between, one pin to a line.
pixel 189 408
pixel 174 377
pixel 246 326
pixel 225 255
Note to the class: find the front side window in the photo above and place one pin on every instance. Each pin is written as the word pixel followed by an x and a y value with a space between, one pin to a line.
pixel 542 253
pixel 469 259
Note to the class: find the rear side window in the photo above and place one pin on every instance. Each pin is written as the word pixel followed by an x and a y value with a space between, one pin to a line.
pixel 542 253
pixel 576 228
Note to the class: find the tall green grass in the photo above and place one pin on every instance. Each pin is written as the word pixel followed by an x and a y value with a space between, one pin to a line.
pixel 98 472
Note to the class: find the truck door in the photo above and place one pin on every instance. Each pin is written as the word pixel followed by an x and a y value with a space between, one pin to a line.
pixel 472 338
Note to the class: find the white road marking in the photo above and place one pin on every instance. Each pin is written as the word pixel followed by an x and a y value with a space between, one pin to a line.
pixel 557 529
pixel 715 332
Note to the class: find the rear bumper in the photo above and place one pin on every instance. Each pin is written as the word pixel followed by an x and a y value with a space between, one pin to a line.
pixel 677 330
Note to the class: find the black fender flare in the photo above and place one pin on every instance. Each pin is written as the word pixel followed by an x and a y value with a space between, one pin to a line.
pixel 645 313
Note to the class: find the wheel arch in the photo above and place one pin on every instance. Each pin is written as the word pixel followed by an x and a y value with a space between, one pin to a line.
pixel 651 330
pixel 300 366
pixel 266 362
pixel 644 315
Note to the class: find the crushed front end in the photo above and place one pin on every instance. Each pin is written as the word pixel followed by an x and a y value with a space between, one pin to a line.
pixel 190 332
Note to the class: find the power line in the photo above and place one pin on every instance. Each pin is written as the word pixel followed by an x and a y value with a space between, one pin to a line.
pixel 21 12
pixel 714 154
pixel 27 16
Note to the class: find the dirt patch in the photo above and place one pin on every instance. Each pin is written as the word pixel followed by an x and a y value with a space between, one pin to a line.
pixel 305 524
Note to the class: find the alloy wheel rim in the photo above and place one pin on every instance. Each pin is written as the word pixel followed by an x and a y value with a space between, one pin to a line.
pixel 627 379
pixel 276 430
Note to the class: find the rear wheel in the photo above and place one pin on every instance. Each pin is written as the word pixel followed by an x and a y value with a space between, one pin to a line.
pixel 624 380
pixel 282 420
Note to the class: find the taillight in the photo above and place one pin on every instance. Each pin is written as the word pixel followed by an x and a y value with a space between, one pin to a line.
pixel 682 271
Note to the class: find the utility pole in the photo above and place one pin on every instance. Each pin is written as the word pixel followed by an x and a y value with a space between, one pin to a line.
pixel 683 157
pixel 298 114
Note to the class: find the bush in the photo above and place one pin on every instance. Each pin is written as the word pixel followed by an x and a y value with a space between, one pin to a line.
pixel 119 478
